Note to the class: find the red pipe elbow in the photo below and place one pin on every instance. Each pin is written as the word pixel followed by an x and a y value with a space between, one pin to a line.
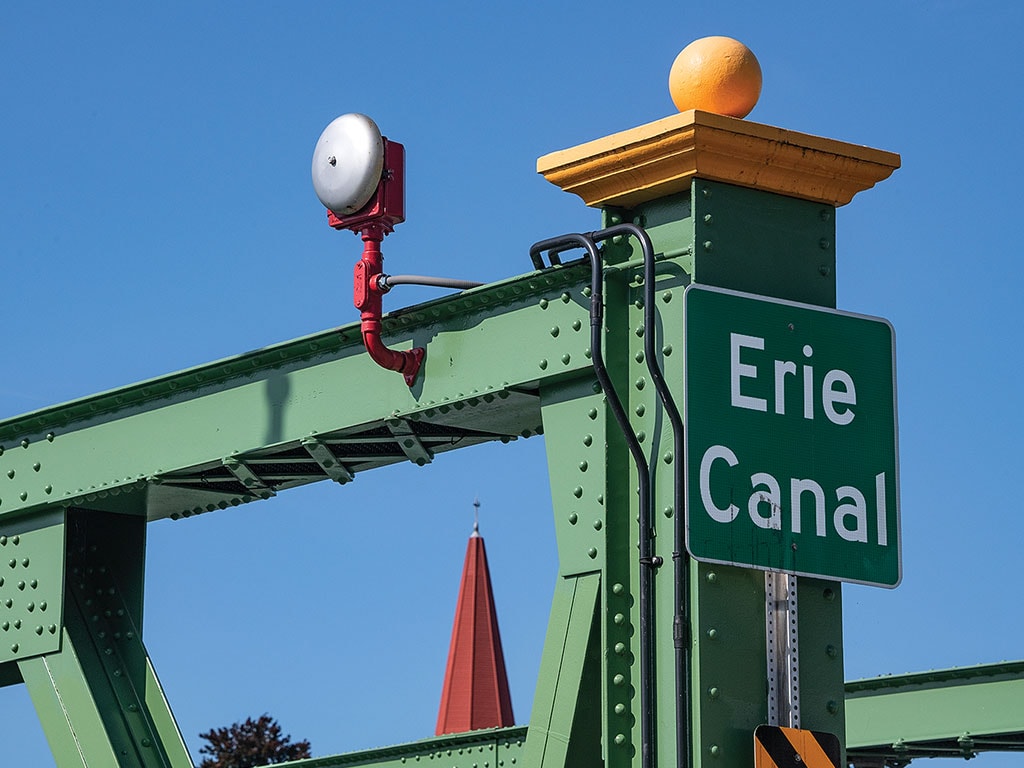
pixel 367 298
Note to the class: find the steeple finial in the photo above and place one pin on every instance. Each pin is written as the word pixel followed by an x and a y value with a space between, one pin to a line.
pixel 476 517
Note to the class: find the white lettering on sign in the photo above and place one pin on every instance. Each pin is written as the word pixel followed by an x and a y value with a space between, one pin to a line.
pixel 838 392
pixel 765 503
pixel 738 370
pixel 728 514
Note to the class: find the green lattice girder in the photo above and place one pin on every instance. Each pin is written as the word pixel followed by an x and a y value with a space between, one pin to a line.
pixel 505 360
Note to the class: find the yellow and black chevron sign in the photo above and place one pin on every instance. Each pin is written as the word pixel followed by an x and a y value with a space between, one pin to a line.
pixel 777 747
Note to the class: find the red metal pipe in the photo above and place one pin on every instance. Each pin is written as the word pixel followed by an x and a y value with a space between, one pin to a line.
pixel 368 300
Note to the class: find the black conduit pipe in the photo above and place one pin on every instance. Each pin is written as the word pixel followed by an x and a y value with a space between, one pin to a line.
pixel 680 558
pixel 647 562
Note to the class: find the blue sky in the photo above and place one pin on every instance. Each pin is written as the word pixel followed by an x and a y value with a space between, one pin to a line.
pixel 157 213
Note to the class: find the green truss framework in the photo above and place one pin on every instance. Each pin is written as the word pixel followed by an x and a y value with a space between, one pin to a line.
pixel 79 482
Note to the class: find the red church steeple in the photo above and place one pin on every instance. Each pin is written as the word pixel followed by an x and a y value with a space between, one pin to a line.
pixel 475 693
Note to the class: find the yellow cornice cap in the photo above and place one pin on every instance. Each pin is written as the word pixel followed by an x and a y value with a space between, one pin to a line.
pixel 660 159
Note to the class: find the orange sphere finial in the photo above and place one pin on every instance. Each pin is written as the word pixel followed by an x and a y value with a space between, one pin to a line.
pixel 716 74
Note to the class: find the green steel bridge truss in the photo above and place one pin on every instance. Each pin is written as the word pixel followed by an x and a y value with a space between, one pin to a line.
pixel 79 482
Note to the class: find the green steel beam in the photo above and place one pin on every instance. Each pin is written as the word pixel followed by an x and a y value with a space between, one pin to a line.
pixel 243 428
pixel 944 713
pixel 565 716
pixel 490 748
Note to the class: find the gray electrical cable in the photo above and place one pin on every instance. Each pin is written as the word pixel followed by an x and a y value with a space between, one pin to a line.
pixel 387 282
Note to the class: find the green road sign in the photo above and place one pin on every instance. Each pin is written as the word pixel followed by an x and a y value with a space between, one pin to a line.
pixel 791 447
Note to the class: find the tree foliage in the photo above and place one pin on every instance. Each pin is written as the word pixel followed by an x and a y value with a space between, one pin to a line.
pixel 249 744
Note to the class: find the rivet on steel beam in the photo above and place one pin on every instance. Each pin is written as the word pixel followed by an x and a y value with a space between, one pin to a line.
pixel 641 383
pixel 565 297
pixel 10 474
pixel 639 330
pixel 573 518
pixel 620 738
pixel 824 243
pixel 708 245
pixel 14 648
pixel 667 458
pixel 588 440
pixel 39 629
pixel 620 649
pixel 641 436
pixel 832 707
pixel 829 594
pixel 592 553
pixel 48 489
pixel 5 626
pixel 583 466
pixel 617 588
pixel 37 466
pixel 667 511
pixel 831 651
pixel 576 325
pixel 587 291
pixel 620 708
pixel 577 492
pixel 712 577
pixel 713 693
pixel 566 358
pixel 25 443
pixel 619 680
pixel 554 330
pixel 52 629
pixel 715 750
pixel 618 618
pixel 712 634
pixel 592 414
pixel 598 525
pixel 543 364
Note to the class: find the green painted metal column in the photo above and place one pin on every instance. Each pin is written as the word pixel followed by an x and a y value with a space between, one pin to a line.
pixel 732 237
pixel 95 690
pixel 739 206
pixel 778 246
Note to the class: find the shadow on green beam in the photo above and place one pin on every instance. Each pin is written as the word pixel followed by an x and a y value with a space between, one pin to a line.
pixel 491 748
